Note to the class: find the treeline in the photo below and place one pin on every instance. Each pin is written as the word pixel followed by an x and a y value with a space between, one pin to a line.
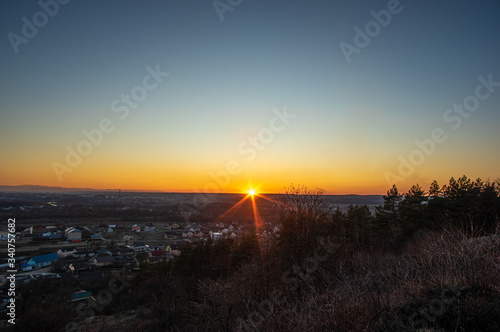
pixel 470 206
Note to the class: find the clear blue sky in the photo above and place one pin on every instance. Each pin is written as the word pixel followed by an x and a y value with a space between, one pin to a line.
pixel 353 120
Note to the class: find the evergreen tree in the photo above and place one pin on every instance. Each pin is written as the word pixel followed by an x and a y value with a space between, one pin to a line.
pixel 386 221
pixel 411 210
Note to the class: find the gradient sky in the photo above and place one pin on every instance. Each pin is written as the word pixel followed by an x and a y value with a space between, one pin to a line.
pixel 227 79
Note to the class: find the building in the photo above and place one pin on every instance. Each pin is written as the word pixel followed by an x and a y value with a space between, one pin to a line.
pixel 4 236
pixel 149 227
pixel 95 236
pixel 37 230
pixel 157 256
pixel 215 235
pixel 83 252
pixel 173 249
pixel 73 234
pixel 140 247
pixel 103 261
pixel 39 262
pixel 65 252
pixel 170 235
pixel 136 228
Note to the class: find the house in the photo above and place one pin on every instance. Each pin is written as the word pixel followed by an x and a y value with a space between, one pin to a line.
pixel 103 261
pixel 156 256
pixel 112 224
pixel 173 249
pixel 73 234
pixel 157 253
pixel 85 252
pixel 51 228
pixel 136 228
pixel 51 235
pixel 37 230
pixel 140 247
pixel 160 246
pixel 188 234
pixel 39 262
pixel 95 236
pixel 55 236
pixel 149 227
pixel 65 252
pixel 110 230
pixel 215 235
pixel 170 235
pixel 175 226
pixel 103 252
pixel 4 236
pixel 127 252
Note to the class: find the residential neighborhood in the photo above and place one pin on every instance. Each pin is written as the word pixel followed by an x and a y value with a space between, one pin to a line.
pixel 113 246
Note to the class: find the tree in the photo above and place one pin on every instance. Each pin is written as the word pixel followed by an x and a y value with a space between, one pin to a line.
pixel 302 216
pixel 247 249
pixel 411 210
pixel 387 215
pixel 436 209
pixel 358 226
pixel 434 190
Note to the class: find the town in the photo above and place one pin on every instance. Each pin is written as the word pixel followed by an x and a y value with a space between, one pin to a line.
pixel 60 235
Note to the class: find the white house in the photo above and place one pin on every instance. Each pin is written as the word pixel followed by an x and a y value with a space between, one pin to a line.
pixel 139 247
pixel 73 234
pixel 215 235
pixel 65 252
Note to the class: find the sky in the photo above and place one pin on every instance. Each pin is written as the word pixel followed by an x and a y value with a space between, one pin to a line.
pixel 218 96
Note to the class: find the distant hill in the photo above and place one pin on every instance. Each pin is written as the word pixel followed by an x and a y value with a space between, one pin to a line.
pixel 35 188
pixel 30 188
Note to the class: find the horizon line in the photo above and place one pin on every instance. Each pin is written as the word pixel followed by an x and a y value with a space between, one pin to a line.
pixel 43 188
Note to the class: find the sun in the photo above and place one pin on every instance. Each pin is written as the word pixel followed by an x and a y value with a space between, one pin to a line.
pixel 251 192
